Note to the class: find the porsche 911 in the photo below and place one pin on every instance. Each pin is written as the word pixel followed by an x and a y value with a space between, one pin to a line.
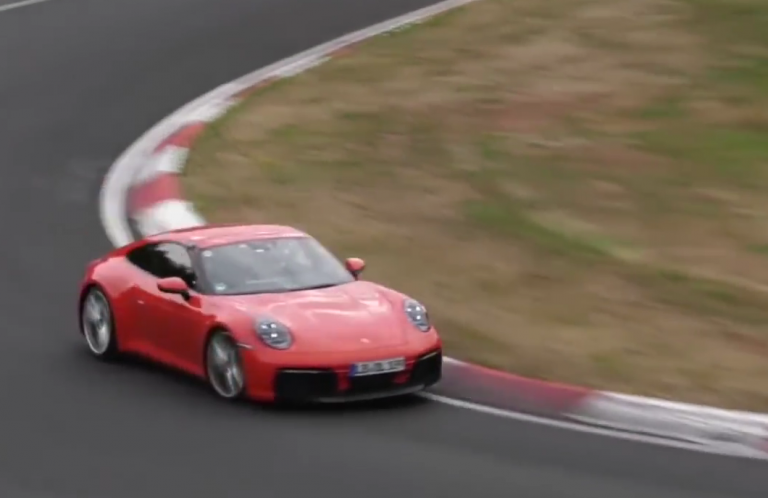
pixel 264 312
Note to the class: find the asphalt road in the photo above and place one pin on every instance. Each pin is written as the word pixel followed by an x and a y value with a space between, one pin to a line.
pixel 79 81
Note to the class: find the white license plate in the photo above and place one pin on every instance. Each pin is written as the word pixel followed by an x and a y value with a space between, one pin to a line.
pixel 377 367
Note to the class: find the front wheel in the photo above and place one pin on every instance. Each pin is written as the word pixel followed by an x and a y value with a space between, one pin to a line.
pixel 224 367
pixel 98 325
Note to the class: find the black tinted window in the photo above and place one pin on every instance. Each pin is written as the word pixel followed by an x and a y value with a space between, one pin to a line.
pixel 174 261
pixel 145 258
pixel 165 260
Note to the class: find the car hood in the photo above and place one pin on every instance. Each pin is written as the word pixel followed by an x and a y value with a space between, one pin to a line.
pixel 354 316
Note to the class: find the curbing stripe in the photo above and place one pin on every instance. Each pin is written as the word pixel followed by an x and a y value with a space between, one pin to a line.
pixel 168 160
pixel 479 384
pixel 184 136
pixel 171 214
pixel 148 194
pixel 146 176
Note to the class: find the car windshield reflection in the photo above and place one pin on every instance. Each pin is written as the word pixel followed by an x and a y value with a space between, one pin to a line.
pixel 287 264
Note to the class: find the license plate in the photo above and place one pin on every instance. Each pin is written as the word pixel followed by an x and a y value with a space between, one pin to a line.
pixel 377 367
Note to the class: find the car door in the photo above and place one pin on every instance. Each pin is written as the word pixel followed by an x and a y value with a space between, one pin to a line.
pixel 143 298
pixel 178 322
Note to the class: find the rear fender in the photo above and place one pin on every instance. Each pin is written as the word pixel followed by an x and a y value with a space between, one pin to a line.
pixel 113 279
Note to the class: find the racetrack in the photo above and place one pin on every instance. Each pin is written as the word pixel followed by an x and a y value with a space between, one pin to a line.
pixel 79 81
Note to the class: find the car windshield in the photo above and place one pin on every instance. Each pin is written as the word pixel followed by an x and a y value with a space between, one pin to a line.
pixel 272 265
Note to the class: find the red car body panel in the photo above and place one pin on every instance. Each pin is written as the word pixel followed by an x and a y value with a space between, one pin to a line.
pixel 332 327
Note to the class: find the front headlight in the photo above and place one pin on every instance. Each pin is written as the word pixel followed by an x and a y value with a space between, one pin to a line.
pixel 273 333
pixel 417 315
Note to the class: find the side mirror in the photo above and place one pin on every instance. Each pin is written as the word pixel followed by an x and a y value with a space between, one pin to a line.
pixel 174 285
pixel 355 266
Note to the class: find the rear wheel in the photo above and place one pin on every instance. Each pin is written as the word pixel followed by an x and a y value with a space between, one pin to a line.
pixel 98 325
pixel 224 366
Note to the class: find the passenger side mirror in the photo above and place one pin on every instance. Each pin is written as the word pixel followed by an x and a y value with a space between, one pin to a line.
pixel 355 266
pixel 174 285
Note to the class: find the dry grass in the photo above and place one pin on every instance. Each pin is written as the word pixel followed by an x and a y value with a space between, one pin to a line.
pixel 575 188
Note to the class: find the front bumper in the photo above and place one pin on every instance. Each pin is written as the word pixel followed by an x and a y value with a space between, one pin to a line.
pixel 335 386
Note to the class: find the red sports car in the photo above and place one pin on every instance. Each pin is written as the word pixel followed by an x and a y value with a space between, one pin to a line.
pixel 259 311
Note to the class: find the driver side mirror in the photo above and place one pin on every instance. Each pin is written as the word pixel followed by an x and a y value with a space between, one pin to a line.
pixel 355 266
pixel 174 285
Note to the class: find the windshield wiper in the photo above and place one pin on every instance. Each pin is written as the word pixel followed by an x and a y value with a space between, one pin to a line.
pixel 314 287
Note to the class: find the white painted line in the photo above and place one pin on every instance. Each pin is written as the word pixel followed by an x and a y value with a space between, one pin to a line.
pixel 18 5
pixel 726 450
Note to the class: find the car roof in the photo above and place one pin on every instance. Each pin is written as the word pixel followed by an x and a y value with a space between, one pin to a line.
pixel 214 235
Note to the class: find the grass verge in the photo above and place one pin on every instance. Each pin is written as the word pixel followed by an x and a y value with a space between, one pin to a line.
pixel 575 188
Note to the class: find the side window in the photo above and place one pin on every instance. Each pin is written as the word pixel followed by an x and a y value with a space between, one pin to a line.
pixel 145 257
pixel 174 261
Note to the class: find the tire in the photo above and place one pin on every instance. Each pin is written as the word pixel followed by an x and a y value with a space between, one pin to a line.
pixel 97 324
pixel 224 366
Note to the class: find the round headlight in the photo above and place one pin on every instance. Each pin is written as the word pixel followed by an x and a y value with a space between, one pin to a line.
pixel 417 315
pixel 273 333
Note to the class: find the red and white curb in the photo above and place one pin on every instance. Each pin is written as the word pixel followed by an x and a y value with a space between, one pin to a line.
pixel 141 195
